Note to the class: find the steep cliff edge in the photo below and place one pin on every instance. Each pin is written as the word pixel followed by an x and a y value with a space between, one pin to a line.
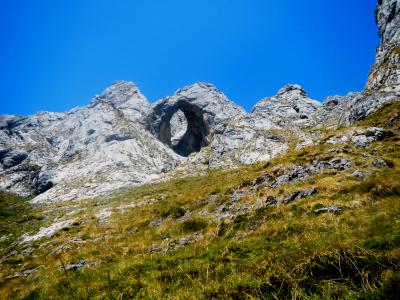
pixel 385 74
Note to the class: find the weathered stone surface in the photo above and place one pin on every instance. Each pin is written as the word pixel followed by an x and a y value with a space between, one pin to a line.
pixel 293 196
pixel 76 266
pixel 300 194
pixel 379 134
pixel 43 184
pixel 388 20
pixel 296 173
pixel 85 152
pixel 23 274
pixel 359 174
pixel 119 139
pixel 291 104
pixel 383 84
pixel 361 138
pixel 380 163
pixel 203 106
pixel 299 173
pixel 335 209
pixel 385 74
pixel 337 163
pixel 12 158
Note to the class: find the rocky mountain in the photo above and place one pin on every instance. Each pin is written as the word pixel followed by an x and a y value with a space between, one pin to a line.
pixel 84 152
pixel 296 199
pixel 119 139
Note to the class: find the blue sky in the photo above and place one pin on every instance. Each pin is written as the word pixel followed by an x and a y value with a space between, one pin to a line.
pixel 56 55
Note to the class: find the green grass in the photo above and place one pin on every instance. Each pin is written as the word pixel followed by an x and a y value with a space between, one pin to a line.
pixel 16 217
pixel 283 252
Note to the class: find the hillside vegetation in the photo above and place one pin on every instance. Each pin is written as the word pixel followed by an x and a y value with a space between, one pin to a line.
pixel 320 222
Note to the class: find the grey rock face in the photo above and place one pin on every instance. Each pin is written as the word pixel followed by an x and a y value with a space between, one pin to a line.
pixel 388 20
pixel 178 127
pixel 244 139
pixel 383 83
pixel 12 158
pixel 264 133
pixel 126 97
pixel 23 274
pixel 291 104
pixel 85 152
pixel 218 132
pixel 203 106
pixel 43 183
pixel 346 110
pixel 361 141
pixel 379 133
pixel 385 74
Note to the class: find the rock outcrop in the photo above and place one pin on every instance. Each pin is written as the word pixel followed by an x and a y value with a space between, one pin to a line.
pixel 264 133
pixel 385 74
pixel 383 84
pixel 290 105
pixel 203 106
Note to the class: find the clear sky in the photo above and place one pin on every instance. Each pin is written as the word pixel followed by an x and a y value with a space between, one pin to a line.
pixel 55 55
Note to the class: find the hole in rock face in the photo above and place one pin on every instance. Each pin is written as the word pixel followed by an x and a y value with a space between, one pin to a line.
pixel 183 128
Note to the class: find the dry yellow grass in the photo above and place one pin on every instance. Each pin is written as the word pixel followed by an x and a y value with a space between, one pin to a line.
pixel 288 251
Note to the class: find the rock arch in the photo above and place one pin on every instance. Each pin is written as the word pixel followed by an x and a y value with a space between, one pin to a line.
pixel 197 132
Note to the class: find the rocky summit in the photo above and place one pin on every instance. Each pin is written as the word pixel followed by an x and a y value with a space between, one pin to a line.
pixel 119 139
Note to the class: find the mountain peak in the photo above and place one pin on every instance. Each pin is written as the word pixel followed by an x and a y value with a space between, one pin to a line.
pixel 198 87
pixel 120 87
pixel 120 92
pixel 290 103
pixel 292 89
pixel 289 94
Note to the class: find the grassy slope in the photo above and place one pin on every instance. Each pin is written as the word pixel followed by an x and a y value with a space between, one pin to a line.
pixel 272 253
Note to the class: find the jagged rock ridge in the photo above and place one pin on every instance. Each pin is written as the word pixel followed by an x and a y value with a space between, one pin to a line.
pixel 120 139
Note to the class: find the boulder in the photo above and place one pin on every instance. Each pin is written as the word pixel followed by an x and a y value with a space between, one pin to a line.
pixel 300 194
pixel 335 209
pixel 337 163
pixel 360 174
pixel 380 163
